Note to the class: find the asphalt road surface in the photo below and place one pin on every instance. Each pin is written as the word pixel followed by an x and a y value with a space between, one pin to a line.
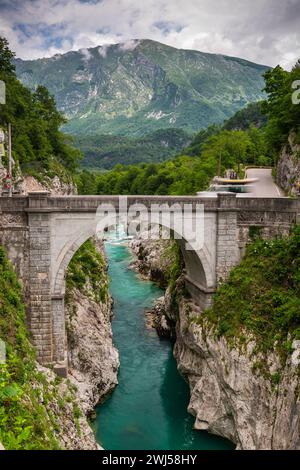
pixel 265 186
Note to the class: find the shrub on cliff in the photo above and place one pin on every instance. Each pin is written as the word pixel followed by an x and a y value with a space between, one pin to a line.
pixel 262 295
pixel 29 400
pixel 87 273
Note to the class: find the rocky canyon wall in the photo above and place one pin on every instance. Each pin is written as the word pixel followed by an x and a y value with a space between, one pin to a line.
pixel 250 398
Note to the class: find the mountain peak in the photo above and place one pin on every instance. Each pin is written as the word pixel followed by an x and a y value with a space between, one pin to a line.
pixel 140 85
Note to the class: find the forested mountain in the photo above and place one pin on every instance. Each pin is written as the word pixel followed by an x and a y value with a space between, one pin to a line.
pixel 137 87
pixel 250 138
pixel 106 151
pixel 39 147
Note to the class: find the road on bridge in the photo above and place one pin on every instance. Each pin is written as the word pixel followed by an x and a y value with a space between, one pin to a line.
pixel 265 186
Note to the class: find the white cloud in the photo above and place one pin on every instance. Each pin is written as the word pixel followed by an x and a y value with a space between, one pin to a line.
pixel 252 29
pixel 129 45
pixel 85 54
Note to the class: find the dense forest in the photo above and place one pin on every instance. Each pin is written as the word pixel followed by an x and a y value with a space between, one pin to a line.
pixel 39 147
pixel 105 151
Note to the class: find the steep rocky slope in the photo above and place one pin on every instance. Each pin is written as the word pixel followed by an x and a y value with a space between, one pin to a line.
pixel 288 168
pixel 141 86
pixel 38 410
pixel 92 358
pixel 239 390
pixel 230 396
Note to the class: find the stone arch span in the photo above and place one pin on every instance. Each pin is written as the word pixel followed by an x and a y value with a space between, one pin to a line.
pixel 58 225
pixel 199 263
pixel 70 231
pixel 42 232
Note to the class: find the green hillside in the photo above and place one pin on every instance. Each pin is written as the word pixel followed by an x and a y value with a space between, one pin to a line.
pixel 138 87
pixel 105 151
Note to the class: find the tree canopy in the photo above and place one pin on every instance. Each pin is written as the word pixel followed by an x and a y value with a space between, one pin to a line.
pixel 283 115
pixel 38 144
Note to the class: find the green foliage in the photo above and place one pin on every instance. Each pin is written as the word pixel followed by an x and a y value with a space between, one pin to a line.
pixel 24 421
pixel 38 145
pixel 148 88
pixel 175 263
pixel 6 57
pixel 196 146
pixel 184 174
pixel 262 296
pixel 105 151
pixel 251 115
pixel 283 115
pixel 87 272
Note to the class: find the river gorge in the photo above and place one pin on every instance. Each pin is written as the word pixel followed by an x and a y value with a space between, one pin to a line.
pixel 148 409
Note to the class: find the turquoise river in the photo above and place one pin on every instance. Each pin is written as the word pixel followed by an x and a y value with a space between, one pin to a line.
pixel 148 409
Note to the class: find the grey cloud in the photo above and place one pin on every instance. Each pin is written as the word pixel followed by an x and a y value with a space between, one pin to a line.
pixel 264 31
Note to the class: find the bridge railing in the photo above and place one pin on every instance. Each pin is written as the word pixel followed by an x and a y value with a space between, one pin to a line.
pixel 42 201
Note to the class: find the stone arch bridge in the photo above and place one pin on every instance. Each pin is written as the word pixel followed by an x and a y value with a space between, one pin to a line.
pixel 42 233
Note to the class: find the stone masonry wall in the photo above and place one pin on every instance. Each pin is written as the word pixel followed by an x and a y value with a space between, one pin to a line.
pixel 227 237
pixel 40 321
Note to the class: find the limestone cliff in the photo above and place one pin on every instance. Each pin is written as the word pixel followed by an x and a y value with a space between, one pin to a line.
pixel 151 260
pixel 92 358
pixel 65 412
pixel 230 396
pixel 248 397
pixel 38 409
pixel 56 186
pixel 23 184
pixel 288 168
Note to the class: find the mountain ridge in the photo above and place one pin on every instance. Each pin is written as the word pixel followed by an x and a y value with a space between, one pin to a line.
pixel 145 40
pixel 140 86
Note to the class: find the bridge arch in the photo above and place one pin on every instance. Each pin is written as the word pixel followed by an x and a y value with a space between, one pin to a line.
pixel 42 233
pixel 69 231
pixel 198 265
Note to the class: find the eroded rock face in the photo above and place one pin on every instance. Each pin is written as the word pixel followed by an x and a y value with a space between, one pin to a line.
pixel 72 429
pixel 93 359
pixel 150 261
pixel 56 186
pixel 288 168
pixel 228 397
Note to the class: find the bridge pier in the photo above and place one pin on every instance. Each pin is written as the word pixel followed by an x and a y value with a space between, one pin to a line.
pixel 58 328
pixel 40 308
pixel 201 295
pixel 227 245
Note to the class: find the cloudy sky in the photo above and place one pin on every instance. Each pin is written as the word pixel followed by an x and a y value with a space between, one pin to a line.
pixel 264 31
